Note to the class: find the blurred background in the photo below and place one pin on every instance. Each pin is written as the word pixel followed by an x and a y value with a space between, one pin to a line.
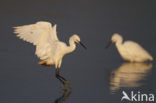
pixel 97 75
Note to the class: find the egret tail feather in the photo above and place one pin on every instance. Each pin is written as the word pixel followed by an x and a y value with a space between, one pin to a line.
pixel 44 63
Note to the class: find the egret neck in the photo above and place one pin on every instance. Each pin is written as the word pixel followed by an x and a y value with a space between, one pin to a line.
pixel 119 42
pixel 71 46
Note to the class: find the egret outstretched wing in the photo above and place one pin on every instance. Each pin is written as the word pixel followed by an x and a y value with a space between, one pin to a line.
pixel 32 33
pixel 41 34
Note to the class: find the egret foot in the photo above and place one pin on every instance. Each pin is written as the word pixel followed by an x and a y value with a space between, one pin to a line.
pixel 66 85
pixel 65 82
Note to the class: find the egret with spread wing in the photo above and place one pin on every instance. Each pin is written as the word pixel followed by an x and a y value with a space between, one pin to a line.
pixel 48 47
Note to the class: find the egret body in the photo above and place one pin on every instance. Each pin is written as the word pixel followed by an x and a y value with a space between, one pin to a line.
pixel 130 50
pixel 48 47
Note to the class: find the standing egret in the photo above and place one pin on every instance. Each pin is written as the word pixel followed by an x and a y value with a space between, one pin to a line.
pixel 48 47
pixel 130 50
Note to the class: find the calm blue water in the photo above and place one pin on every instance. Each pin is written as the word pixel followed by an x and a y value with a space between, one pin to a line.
pixel 97 75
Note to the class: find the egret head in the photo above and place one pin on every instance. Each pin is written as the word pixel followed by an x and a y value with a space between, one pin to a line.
pixel 76 39
pixel 115 38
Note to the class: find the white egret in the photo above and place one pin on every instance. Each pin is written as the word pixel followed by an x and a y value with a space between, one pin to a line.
pixel 48 47
pixel 130 50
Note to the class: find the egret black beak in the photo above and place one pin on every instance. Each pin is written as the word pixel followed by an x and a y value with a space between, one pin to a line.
pixel 82 45
pixel 109 44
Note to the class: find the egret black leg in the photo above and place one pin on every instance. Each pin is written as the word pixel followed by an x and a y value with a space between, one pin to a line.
pixel 61 76
pixel 58 73
pixel 62 80
pixel 58 77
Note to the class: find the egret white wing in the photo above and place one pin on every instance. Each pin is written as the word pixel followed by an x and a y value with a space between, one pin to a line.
pixel 136 50
pixel 41 34
pixel 32 33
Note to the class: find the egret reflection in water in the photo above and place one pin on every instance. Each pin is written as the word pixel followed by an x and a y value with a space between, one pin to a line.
pixel 129 75
pixel 64 97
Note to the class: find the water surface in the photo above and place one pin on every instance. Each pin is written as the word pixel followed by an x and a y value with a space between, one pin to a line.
pixel 97 75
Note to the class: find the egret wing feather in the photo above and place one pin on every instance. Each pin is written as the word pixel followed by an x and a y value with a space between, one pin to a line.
pixel 32 33
pixel 41 34
pixel 135 49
